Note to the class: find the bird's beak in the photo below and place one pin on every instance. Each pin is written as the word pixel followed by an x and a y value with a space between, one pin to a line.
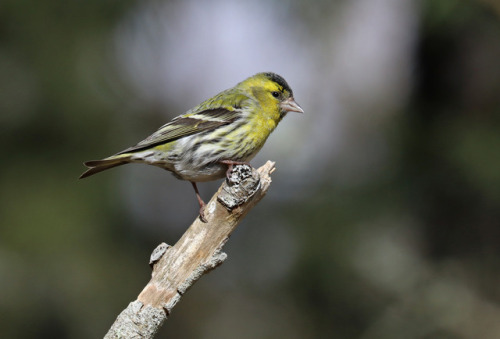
pixel 289 105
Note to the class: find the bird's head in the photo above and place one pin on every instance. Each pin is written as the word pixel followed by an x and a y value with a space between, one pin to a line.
pixel 272 90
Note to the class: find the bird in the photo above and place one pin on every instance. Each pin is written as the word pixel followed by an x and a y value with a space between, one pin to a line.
pixel 205 143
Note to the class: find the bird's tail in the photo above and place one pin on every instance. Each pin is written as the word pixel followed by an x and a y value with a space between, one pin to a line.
pixel 96 166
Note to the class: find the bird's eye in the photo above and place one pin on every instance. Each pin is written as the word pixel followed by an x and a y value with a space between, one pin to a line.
pixel 276 94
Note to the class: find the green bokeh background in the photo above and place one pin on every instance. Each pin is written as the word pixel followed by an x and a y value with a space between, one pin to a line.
pixel 410 251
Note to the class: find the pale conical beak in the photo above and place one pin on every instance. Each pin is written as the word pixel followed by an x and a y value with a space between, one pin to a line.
pixel 289 105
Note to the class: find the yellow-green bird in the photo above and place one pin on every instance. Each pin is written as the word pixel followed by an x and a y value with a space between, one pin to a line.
pixel 204 143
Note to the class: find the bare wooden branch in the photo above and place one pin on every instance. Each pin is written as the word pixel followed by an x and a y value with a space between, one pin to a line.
pixel 198 251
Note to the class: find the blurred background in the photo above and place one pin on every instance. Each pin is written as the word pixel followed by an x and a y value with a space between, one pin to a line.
pixel 383 220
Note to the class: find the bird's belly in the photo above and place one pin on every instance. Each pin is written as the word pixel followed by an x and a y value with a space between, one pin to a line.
pixel 189 160
pixel 202 173
pixel 183 166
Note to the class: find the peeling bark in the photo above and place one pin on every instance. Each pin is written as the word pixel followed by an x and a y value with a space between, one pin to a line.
pixel 199 250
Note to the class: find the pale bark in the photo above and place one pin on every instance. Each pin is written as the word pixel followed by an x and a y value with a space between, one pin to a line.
pixel 176 268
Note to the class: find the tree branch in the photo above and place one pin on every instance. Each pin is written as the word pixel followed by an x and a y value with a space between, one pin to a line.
pixel 176 268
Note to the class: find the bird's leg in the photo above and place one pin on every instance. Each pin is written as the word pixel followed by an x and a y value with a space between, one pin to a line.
pixel 230 164
pixel 200 201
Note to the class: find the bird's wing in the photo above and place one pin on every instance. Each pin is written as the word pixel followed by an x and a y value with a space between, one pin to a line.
pixel 188 124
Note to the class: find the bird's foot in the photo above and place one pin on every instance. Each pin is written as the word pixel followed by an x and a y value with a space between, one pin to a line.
pixel 202 213
pixel 200 201
pixel 230 164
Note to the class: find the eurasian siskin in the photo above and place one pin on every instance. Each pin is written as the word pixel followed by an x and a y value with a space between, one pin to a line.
pixel 204 143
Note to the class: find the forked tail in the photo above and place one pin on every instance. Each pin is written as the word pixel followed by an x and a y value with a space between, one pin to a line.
pixel 96 166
